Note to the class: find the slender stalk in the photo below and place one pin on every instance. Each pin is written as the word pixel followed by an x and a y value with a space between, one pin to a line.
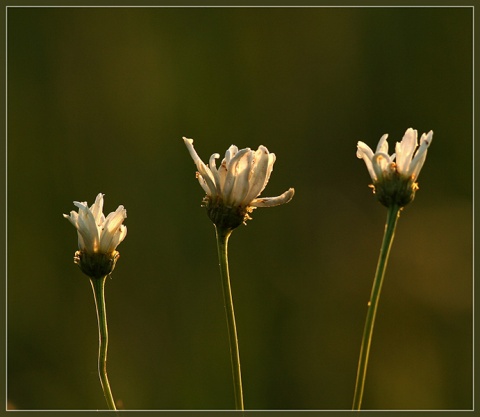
pixel 392 217
pixel 98 286
pixel 222 247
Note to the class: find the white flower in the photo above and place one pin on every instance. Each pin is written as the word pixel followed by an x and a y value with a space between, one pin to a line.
pixel 233 189
pixel 241 177
pixel 97 234
pixel 408 164
pixel 394 176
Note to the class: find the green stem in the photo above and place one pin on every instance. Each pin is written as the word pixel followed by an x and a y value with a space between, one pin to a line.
pixel 392 217
pixel 222 247
pixel 98 286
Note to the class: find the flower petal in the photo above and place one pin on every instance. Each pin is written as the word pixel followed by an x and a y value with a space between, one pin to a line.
pixel 242 183
pixel 97 209
pixel 271 160
pixel 214 171
pixel 404 151
pixel 73 218
pixel 232 174
pixel 87 227
pixel 110 227
pixel 118 237
pixel 95 233
pixel 222 174
pixel 419 159
pixel 230 153
pixel 364 152
pixel 261 169
pixel 383 144
pixel 204 185
pixel 274 201
pixel 381 164
pixel 202 168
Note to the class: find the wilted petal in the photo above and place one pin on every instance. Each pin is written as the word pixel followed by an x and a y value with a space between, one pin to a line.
pixel 258 179
pixel 213 168
pixel 222 174
pixel 232 173
pixel 274 201
pixel 242 184
pixel 192 151
pixel 271 160
pixel 230 153
pixel 204 185
pixel 208 177
pixel 202 168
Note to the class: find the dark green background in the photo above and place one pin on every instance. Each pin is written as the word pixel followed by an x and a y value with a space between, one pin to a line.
pixel 98 100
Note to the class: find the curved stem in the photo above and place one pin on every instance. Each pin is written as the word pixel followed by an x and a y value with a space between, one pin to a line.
pixel 392 217
pixel 98 286
pixel 222 247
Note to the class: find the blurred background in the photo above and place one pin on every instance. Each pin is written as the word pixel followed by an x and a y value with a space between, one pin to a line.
pixel 98 101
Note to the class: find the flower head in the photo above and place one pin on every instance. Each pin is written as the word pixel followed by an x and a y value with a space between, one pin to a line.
pixel 394 176
pixel 98 236
pixel 234 187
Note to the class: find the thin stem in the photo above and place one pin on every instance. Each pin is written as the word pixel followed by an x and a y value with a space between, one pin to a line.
pixel 222 247
pixel 392 217
pixel 98 286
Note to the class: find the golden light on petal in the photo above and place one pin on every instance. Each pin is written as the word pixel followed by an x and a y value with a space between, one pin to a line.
pixel 233 188
pixel 394 176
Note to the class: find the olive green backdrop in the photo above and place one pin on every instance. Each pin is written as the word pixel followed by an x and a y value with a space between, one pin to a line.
pixel 98 101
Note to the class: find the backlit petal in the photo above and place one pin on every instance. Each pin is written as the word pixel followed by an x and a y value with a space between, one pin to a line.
pixel 404 150
pixel 87 227
pixel 364 152
pixel 232 174
pixel 242 184
pixel 95 233
pixel 259 173
pixel 419 159
pixel 202 168
pixel 274 201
